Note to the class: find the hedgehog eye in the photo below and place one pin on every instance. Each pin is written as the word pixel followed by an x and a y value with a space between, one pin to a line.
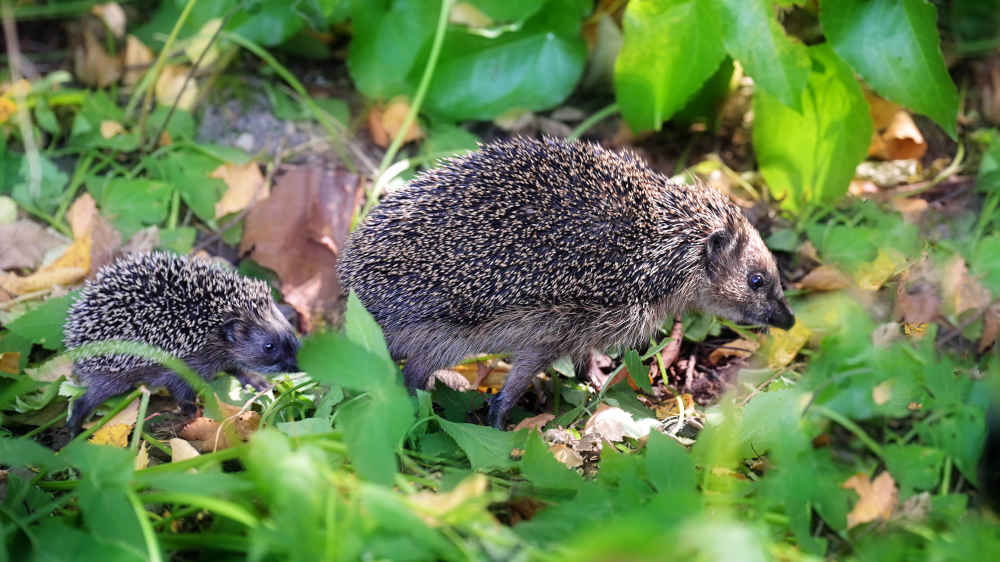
pixel 756 281
pixel 269 347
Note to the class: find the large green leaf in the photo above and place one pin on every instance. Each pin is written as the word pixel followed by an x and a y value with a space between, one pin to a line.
pixel 132 204
pixel 894 46
pixel 480 77
pixel 361 328
pixel 390 37
pixel 670 48
pixel 508 10
pixel 373 426
pixel 487 448
pixel 777 63
pixel 43 323
pixel 810 156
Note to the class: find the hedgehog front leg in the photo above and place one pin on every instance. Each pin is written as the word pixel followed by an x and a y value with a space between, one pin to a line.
pixel 527 364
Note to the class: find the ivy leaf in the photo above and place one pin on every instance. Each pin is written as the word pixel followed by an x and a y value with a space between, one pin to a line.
pixel 894 46
pixel 670 48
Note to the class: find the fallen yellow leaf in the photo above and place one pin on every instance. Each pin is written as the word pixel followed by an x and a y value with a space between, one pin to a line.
pixel 825 278
pixel 115 434
pixel 201 42
pixel 7 108
pixel 181 450
pixel 784 345
pixel 138 59
pixel 9 361
pixel 245 186
pixel 111 128
pixel 174 87
pixel 871 276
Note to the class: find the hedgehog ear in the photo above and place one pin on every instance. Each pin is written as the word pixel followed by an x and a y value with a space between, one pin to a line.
pixel 231 330
pixel 717 249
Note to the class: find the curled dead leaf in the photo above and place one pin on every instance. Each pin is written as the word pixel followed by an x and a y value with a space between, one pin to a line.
pixel 960 291
pixel 93 64
pixel 917 298
pixel 740 348
pixel 385 122
pixel 991 327
pixel 535 422
pixel 181 450
pixel 25 244
pixel 174 87
pixel 138 59
pixel 112 15
pixel 111 128
pixel 824 278
pixel 464 13
pixel 876 501
pixel 245 184
pixel 566 455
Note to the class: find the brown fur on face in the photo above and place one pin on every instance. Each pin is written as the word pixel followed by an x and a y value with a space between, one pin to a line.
pixel 744 283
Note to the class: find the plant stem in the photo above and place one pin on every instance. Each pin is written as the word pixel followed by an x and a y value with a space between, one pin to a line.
pixel 152 547
pixel 415 103
pixel 592 120
pixel 161 60
pixel 140 418
pixel 853 428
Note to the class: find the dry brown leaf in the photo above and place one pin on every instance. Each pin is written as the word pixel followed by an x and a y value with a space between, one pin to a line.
pixel 384 122
pixel 566 455
pixel 9 361
pixel 141 457
pixel 92 63
pixel 68 269
pixel 111 128
pixel 138 59
pixel 245 185
pixel 452 379
pixel 464 13
pixel 825 278
pixel 112 15
pixel 297 230
pixel 51 370
pixel 902 139
pixel 960 291
pixel 433 506
pixel 84 220
pixel 911 208
pixel 534 422
pixel 877 498
pixel 784 345
pixel 171 88
pixel 882 393
pixel 25 244
pixel 881 110
pixel 917 299
pixel 991 326
pixel 181 450
pixel 737 348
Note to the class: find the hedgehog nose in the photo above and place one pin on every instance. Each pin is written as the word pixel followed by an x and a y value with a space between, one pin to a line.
pixel 781 316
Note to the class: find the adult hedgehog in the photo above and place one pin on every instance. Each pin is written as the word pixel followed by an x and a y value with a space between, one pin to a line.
pixel 542 248
pixel 212 318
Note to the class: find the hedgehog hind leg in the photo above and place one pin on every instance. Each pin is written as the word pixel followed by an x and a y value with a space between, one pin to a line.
pixel 99 389
pixel 527 364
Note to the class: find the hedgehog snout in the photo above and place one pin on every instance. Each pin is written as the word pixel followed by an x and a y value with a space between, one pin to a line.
pixel 781 315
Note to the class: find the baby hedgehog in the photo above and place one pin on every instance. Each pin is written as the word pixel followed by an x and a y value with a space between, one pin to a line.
pixel 543 248
pixel 212 318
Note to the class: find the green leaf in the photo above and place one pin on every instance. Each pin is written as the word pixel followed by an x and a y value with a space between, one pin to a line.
pixel 373 427
pixel 670 48
pixel 913 467
pixel 179 240
pixel 487 448
pixel 390 36
pixel 132 204
pixel 777 63
pixel 445 139
pixel 307 426
pixel 668 465
pixel 542 469
pixel 180 126
pixel 540 68
pixel 42 192
pixel 25 452
pixel 809 156
pixel 43 323
pixel 894 46
pixel 334 359
pixel 638 371
pixel 189 170
pixel 361 328
pixel 267 22
pixel 390 511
